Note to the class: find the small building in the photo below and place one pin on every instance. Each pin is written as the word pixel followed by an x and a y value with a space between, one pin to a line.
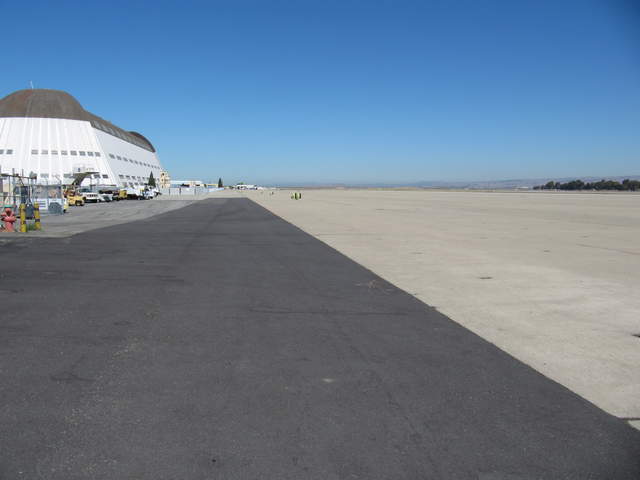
pixel 165 180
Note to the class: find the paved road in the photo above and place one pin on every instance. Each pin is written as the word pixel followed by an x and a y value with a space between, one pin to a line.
pixel 220 342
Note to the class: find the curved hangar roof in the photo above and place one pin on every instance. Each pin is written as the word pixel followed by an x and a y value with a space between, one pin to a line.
pixel 43 103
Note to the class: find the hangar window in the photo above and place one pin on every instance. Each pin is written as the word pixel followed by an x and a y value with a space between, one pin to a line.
pixel 9 152
pixel 54 152
pixel 63 152
pixel 111 155
pixel 129 176
pixel 44 175
pixel 82 154
pixel 44 152
pixel 97 154
pixel 34 151
pixel 119 157
pixel 121 176
pixel 105 176
pixel 1 151
pixel 67 175
pixel 90 154
pixel 96 175
pixel 74 153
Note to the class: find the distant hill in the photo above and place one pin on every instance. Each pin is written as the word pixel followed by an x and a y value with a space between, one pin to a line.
pixel 518 183
pixel 525 183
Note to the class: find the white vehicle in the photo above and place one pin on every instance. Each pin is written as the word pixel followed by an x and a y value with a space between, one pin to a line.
pixel 141 193
pixel 148 194
pixel 134 192
pixel 92 197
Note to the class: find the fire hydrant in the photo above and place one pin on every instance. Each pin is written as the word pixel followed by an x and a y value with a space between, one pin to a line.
pixel 8 219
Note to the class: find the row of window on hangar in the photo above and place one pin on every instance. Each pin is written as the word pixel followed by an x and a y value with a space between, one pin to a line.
pixel 73 153
pixel 131 177
pixel 140 180
pixel 69 175
pixel 125 159
pixel 81 153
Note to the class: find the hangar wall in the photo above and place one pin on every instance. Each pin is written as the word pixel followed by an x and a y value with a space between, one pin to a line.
pixel 34 140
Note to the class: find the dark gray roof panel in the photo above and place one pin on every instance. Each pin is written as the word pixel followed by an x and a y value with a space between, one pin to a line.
pixel 44 103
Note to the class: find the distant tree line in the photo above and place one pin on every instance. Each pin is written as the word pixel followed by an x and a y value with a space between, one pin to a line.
pixel 625 185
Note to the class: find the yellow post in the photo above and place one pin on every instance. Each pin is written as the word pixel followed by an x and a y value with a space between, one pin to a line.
pixel 36 215
pixel 23 218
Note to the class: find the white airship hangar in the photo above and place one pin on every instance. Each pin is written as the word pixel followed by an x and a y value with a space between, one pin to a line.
pixel 47 134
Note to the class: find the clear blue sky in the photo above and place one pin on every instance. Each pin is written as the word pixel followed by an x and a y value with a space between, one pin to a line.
pixel 348 91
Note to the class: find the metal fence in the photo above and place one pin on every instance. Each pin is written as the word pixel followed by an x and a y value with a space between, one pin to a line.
pixel 50 198
pixel 18 189
pixel 188 190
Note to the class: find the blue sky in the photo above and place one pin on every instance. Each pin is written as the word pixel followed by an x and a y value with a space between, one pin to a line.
pixel 348 91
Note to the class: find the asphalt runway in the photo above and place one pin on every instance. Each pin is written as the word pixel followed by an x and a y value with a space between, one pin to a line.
pixel 220 342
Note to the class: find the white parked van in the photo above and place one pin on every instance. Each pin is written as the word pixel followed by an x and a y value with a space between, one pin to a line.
pixel 91 197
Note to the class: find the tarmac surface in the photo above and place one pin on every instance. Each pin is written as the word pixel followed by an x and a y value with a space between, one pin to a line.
pixel 219 341
pixel 550 277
